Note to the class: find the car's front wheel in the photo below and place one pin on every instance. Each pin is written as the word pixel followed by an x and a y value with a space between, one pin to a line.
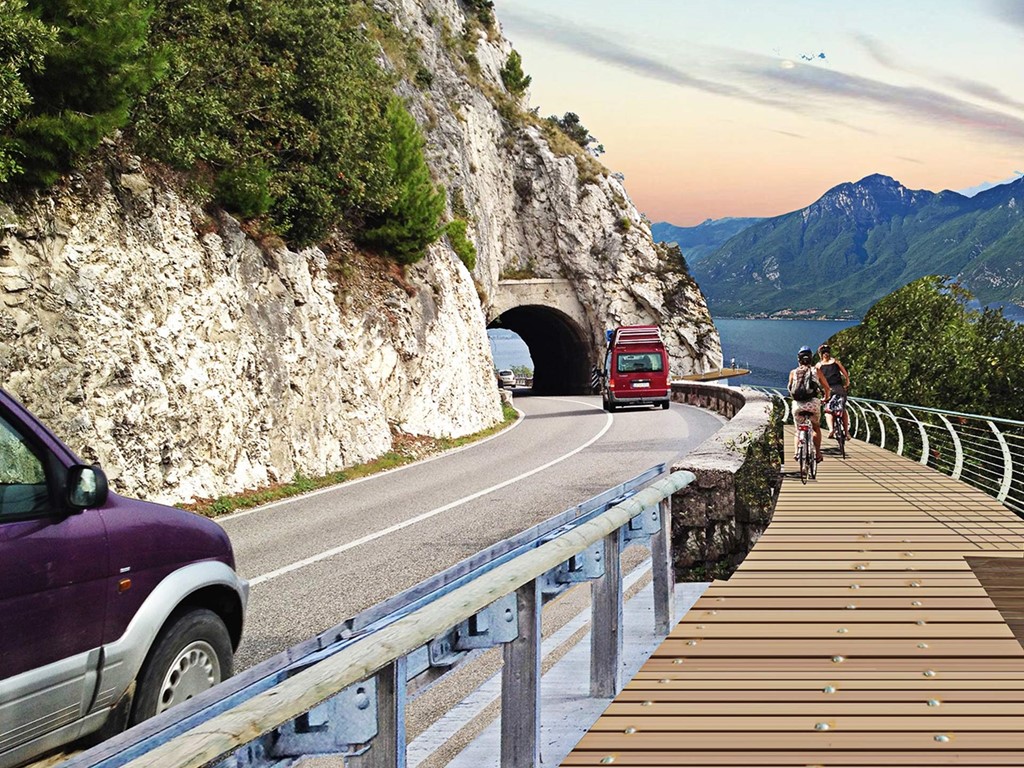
pixel 192 654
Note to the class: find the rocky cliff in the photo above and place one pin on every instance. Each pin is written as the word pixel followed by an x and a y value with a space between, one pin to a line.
pixel 192 360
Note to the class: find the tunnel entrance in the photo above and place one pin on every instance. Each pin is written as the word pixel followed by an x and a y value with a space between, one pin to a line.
pixel 562 355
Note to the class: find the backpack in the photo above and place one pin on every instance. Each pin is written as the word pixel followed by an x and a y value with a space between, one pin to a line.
pixel 805 385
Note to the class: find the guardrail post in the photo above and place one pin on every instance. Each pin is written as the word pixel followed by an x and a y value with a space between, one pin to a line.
pixel 661 565
pixel 606 624
pixel 520 685
pixel 388 748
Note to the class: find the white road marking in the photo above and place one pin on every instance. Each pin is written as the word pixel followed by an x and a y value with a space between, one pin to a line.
pixel 312 559
pixel 410 465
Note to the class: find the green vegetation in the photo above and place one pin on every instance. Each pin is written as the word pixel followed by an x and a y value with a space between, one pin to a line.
pixel 922 345
pixel 24 41
pixel 407 449
pixel 512 75
pixel 278 111
pixel 461 244
pixel 412 220
pixel 83 65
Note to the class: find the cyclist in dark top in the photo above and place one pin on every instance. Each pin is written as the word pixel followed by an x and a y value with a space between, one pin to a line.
pixel 838 380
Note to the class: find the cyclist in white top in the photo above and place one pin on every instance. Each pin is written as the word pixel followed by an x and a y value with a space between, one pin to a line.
pixel 808 402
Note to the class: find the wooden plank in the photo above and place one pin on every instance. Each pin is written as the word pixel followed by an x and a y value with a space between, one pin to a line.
pixel 795 759
pixel 812 653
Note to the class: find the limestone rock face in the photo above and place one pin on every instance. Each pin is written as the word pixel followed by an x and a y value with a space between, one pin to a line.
pixel 193 365
pixel 538 211
pixel 193 361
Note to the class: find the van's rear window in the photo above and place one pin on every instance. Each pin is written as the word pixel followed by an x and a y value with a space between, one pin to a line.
pixel 638 362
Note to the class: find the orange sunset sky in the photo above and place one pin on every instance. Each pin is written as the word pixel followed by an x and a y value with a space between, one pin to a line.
pixel 757 107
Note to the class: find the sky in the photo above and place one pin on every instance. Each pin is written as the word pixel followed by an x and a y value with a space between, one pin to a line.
pixel 716 108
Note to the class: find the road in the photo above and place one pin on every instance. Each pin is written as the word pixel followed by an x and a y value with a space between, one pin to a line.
pixel 318 559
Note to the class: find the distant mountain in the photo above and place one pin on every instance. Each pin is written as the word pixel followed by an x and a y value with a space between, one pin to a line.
pixel 863 240
pixel 697 242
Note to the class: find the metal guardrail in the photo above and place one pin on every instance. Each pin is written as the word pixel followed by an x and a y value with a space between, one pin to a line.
pixel 982 451
pixel 345 691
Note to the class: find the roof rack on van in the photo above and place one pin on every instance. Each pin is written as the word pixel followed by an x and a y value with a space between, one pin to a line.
pixel 636 334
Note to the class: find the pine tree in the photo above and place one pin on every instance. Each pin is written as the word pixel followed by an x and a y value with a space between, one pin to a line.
pixel 89 82
pixel 412 220
pixel 24 41
pixel 513 76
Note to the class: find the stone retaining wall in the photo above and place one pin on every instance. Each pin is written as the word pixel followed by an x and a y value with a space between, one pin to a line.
pixel 718 518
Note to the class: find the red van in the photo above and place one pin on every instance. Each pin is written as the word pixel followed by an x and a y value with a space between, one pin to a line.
pixel 635 368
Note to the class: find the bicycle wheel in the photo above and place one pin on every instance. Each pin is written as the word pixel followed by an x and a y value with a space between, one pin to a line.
pixel 812 464
pixel 841 440
pixel 802 459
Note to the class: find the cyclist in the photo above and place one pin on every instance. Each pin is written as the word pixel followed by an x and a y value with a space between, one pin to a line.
pixel 838 379
pixel 806 400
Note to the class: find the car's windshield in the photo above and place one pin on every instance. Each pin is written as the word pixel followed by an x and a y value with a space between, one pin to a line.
pixel 638 362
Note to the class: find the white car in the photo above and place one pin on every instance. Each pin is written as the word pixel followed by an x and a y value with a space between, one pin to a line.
pixel 506 378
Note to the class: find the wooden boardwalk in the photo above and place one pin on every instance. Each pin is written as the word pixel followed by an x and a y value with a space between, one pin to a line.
pixel 854 634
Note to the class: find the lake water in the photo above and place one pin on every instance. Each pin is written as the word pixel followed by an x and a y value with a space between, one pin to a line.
pixel 508 349
pixel 766 347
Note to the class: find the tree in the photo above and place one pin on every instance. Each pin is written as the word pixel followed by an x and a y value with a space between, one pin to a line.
pixel 282 103
pixel 512 75
pixel 922 345
pixel 572 127
pixel 89 82
pixel 24 41
pixel 412 220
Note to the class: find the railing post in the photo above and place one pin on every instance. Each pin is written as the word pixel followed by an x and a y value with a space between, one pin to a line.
pixel 663 576
pixel 867 425
pixel 520 685
pixel 606 624
pixel 924 436
pixel 958 463
pixel 899 429
pixel 388 748
pixel 1004 488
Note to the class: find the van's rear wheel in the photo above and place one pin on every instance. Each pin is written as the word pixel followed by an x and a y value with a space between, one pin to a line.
pixel 664 405
pixel 190 655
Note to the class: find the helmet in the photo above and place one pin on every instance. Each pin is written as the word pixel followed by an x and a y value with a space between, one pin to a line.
pixel 824 348
pixel 805 352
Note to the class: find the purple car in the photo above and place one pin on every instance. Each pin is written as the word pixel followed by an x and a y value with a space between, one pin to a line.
pixel 111 609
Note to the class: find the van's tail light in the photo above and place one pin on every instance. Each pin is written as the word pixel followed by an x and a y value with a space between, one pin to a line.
pixel 611 384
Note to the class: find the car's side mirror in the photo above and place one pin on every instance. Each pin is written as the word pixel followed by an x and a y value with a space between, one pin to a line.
pixel 87 487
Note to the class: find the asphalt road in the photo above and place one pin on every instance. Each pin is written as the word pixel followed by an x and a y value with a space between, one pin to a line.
pixel 318 559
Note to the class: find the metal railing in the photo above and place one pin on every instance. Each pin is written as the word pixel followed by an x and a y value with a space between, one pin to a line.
pixel 982 451
pixel 345 692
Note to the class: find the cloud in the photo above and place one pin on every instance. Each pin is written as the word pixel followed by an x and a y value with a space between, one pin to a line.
pixel 571 36
pixel 761 80
pixel 910 101
pixel 788 133
pixel 1009 12
pixel 975 88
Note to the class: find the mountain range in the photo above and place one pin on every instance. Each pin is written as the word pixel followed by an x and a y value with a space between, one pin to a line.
pixel 697 242
pixel 862 240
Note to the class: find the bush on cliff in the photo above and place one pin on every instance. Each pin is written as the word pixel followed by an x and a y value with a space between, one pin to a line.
pixel 290 88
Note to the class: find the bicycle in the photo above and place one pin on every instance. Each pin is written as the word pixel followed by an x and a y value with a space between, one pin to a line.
pixel 805 455
pixel 836 408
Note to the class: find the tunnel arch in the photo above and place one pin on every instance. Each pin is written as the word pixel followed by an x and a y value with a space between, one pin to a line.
pixel 561 350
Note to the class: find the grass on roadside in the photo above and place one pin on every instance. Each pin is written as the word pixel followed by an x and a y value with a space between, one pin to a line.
pixel 407 449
